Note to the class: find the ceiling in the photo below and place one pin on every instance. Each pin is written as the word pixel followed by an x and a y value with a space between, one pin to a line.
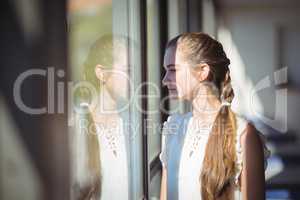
pixel 258 2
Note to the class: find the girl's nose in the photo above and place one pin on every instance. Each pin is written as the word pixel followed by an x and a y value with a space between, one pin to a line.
pixel 165 79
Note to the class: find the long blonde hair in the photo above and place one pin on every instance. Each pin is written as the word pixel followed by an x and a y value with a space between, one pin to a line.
pixel 102 51
pixel 219 164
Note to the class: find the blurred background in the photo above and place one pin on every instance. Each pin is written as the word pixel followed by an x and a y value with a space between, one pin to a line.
pixel 39 151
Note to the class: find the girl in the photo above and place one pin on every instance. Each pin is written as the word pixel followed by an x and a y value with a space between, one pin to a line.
pixel 102 116
pixel 210 153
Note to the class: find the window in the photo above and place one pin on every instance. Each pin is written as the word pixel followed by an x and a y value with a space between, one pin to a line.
pixel 105 56
pixel 154 107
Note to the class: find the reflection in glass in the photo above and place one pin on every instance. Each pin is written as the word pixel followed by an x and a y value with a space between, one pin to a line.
pixel 102 117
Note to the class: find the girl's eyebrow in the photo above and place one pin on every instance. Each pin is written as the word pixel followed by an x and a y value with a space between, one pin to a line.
pixel 171 66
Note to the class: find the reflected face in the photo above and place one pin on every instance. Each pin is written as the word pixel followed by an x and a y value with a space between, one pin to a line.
pixel 118 79
pixel 180 78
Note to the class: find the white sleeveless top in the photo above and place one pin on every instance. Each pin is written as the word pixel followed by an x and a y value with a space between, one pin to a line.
pixel 183 149
pixel 113 139
pixel 114 162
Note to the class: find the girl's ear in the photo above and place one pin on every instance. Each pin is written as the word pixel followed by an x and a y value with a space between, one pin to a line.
pixel 99 71
pixel 202 72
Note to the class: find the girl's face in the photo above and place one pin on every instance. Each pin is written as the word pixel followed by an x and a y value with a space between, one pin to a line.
pixel 180 78
pixel 117 78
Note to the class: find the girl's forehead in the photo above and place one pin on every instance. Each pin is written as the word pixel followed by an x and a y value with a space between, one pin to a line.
pixel 170 53
pixel 173 57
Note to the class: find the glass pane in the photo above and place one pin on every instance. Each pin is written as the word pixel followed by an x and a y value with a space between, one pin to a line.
pixel 155 187
pixel 104 119
pixel 154 82
pixel 154 94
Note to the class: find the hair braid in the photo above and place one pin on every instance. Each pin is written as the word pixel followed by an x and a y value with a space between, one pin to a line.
pixel 227 93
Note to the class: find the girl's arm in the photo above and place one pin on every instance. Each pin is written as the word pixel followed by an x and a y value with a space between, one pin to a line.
pixel 252 176
pixel 163 186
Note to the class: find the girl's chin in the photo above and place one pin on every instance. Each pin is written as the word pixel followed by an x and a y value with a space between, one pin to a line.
pixel 174 97
pixel 173 94
pixel 177 96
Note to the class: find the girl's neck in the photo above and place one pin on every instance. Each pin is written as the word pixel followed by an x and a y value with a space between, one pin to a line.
pixel 106 108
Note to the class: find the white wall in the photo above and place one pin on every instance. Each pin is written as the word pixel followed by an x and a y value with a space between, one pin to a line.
pixel 255 38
